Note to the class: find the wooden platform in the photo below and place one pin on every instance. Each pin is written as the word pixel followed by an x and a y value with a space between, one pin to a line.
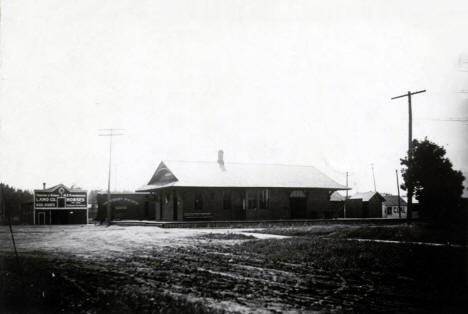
pixel 254 223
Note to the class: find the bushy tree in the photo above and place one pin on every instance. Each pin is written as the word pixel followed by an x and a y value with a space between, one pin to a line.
pixel 11 201
pixel 92 196
pixel 437 186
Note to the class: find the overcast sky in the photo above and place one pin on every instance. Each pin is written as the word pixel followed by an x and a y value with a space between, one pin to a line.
pixel 291 82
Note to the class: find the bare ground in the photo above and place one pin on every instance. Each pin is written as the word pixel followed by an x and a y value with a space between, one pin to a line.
pixel 94 269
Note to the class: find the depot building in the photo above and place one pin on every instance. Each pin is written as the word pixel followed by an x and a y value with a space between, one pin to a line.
pixel 60 205
pixel 219 190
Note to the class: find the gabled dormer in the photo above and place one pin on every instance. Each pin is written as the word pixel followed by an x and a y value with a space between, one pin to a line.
pixel 162 176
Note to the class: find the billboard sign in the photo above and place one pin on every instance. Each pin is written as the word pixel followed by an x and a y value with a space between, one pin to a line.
pixel 60 198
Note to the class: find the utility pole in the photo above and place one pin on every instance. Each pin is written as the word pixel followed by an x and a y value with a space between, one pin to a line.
pixel 373 177
pixel 110 133
pixel 398 190
pixel 410 148
pixel 346 197
pixel 8 215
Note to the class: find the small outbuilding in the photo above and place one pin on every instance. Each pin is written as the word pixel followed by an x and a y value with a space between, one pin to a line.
pixel 60 205
pixel 392 208
pixel 125 206
pixel 365 205
pixel 337 203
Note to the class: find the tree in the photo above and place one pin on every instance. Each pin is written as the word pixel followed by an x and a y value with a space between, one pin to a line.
pixel 437 186
pixel 92 197
pixel 11 202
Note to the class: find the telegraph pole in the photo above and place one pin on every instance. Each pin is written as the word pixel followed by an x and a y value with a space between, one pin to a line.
pixel 373 177
pixel 410 148
pixel 110 133
pixel 7 214
pixel 398 190
pixel 346 197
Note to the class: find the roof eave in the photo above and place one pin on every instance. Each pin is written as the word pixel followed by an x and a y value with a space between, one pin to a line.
pixel 154 188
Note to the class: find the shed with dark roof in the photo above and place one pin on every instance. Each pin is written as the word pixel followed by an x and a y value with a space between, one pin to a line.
pixel 365 205
pixel 337 205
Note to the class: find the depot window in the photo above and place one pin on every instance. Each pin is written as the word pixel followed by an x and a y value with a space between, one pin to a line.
pixel 264 198
pixel 198 204
pixel 61 202
pixel 227 199
pixel 252 199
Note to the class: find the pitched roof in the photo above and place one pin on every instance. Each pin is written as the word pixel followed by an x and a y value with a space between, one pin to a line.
pixel 336 197
pixel 56 187
pixel 392 200
pixel 365 196
pixel 121 193
pixel 213 174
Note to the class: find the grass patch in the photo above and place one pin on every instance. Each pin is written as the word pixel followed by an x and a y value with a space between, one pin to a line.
pixel 226 236
pixel 436 275
pixel 416 232
pixel 305 231
pixel 366 256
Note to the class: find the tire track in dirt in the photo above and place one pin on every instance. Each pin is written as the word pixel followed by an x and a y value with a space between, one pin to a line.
pixel 229 279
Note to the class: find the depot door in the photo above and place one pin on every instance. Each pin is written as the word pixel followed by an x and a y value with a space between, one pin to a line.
pixel 298 207
pixel 41 218
pixel 175 206
pixel 298 204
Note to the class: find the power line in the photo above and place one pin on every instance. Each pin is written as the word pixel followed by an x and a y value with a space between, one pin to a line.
pixel 446 120
pixel 456 120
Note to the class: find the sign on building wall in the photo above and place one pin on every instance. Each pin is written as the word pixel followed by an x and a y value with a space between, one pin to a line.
pixel 60 198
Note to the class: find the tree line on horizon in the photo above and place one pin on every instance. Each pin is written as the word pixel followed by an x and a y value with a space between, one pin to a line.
pixel 13 201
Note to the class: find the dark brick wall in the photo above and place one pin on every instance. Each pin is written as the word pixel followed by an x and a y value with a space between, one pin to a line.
pixel 213 204
pixel 318 203
pixel 354 208
pixel 127 206
pixel 336 209
pixel 63 216
pixel 279 204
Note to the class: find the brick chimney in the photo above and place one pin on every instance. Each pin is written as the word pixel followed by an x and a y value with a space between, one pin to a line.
pixel 221 157
pixel 221 160
pixel 43 185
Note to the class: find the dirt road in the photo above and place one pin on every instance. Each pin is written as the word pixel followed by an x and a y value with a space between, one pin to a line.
pixel 94 269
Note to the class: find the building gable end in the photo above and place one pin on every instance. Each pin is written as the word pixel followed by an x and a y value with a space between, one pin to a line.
pixel 162 175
